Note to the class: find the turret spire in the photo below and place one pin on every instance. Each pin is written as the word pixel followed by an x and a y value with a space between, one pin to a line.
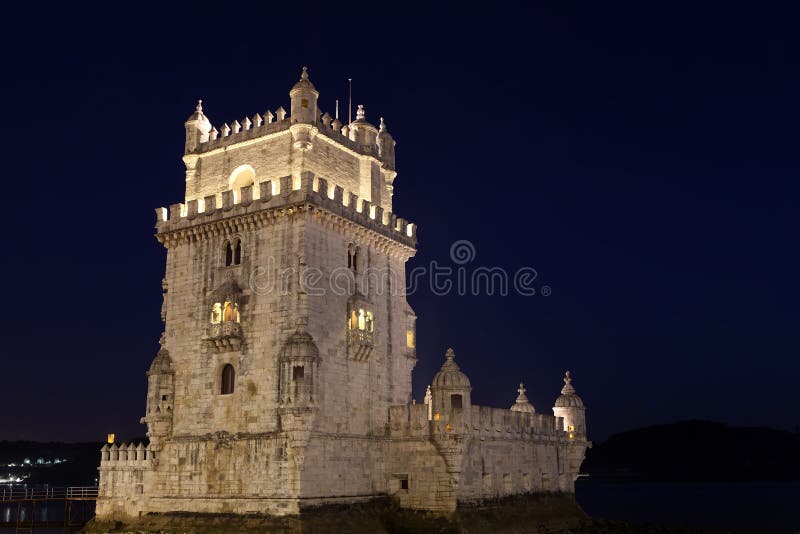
pixel 522 404
pixel 568 389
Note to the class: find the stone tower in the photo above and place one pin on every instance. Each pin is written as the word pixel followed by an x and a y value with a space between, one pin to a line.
pixel 287 331
pixel 283 379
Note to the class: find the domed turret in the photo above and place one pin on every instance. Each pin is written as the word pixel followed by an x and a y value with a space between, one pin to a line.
pixel 304 100
pixel 450 388
pixel 160 398
pixel 197 128
pixel 570 406
pixel 361 131
pixel 385 145
pixel 522 404
pixel 299 360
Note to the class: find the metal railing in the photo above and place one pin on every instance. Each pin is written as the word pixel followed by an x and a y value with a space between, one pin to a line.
pixel 48 493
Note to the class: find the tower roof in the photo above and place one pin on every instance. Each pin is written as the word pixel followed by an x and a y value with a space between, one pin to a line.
pixel 450 375
pixel 300 345
pixel 568 397
pixel 304 84
pixel 361 118
pixel 162 363
pixel 198 113
pixel 522 404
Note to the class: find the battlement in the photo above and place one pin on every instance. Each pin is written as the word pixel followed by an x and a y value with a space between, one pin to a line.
pixel 263 125
pixel 130 455
pixel 284 193
pixel 411 420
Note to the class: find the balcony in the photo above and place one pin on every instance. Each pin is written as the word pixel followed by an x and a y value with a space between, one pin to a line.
pixel 225 336
pixel 359 344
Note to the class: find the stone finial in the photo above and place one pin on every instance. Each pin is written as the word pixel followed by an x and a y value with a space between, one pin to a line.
pixel 246 123
pixel 269 117
pixel 304 75
pixel 522 403
pixel 280 113
pixel 213 134
pixel 326 119
pixel 360 113
pixel 257 120
pixel 199 107
pixel 236 127
pixel 450 354
pixel 336 125
pixel 568 389
pixel 226 130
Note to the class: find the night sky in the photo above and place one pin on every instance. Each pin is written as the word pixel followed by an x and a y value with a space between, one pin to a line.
pixel 643 160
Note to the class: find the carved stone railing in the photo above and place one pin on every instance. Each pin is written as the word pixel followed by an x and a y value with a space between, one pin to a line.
pixel 359 344
pixel 225 336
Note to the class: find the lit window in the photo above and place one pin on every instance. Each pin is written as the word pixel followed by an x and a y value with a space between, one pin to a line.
pixel 410 341
pixel 228 379
pixel 230 312
pixel 216 313
pixel 571 428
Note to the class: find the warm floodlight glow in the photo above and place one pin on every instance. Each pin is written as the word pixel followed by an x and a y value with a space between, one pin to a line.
pixel 110 438
pixel 437 416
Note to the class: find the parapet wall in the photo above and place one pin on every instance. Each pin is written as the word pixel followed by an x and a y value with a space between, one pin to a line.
pixel 411 420
pixel 130 455
pixel 267 124
pixel 283 193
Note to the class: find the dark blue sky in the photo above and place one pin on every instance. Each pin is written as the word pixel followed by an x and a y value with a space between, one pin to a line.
pixel 642 159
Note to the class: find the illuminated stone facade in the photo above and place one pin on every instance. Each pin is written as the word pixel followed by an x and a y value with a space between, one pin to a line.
pixel 284 375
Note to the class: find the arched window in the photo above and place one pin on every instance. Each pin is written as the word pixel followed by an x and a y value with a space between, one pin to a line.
pixel 237 252
pixel 356 254
pixel 216 313
pixel 228 379
pixel 228 253
pixel 230 312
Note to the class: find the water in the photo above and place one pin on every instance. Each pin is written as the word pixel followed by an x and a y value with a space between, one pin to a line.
pixel 52 512
pixel 758 506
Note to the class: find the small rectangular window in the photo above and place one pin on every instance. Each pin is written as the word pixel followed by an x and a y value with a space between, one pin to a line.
pixel 456 402
pixel 404 483
pixel 304 102
pixel 410 341
pixel 298 372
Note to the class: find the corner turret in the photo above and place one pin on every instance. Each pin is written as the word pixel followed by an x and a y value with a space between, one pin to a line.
pixel 304 100
pixel 386 145
pixel 450 388
pixel 570 406
pixel 197 127
pixel 160 398
pixel 522 404
pixel 361 131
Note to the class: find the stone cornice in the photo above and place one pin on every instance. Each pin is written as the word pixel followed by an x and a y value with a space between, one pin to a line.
pixel 183 223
